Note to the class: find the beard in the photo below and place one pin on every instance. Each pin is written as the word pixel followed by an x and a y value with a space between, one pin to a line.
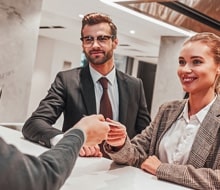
pixel 99 60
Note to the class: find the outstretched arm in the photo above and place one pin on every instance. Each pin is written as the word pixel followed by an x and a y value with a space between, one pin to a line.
pixel 50 169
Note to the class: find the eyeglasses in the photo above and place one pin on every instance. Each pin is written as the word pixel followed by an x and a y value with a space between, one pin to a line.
pixel 88 41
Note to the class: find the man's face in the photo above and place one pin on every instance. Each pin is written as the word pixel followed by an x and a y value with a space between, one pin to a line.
pixel 98 44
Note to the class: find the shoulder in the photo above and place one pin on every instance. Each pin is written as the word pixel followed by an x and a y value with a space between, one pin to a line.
pixel 68 76
pixel 214 109
pixel 173 105
pixel 128 78
pixel 169 110
pixel 72 74
pixel 74 71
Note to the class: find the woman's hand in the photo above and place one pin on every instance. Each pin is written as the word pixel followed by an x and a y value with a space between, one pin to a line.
pixel 151 164
pixel 117 133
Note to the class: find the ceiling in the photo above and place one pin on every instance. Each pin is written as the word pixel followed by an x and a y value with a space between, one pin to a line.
pixel 60 20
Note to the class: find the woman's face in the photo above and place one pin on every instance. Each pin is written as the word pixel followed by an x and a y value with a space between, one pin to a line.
pixel 197 70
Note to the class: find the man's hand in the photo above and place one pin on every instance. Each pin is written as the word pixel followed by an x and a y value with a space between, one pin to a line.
pixel 117 134
pixel 95 129
pixel 90 151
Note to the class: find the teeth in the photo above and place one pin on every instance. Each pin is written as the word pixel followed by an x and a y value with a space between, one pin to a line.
pixel 188 79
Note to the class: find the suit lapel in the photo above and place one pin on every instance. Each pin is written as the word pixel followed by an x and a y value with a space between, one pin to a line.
pixel 123 97
pixel 87 90
pixel 206 136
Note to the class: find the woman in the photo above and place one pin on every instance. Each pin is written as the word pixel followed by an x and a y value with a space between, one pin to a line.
pixel 182 144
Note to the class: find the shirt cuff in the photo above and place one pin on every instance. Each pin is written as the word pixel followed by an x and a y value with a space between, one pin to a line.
pixel 56 139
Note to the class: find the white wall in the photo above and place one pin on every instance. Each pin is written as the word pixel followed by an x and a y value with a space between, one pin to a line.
pixel 19 22
pixel 65 52
pixel 41 72
pixel 49 61
pixel 167 86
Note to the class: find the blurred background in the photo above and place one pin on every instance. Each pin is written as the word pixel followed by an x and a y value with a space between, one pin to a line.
pixel 40 38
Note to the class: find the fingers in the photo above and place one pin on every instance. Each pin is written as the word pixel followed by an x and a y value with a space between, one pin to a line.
pixel 114 123
pixel 117 135
pixel 101 117
pixel 90 151
pixel 82 152
pixel 96 130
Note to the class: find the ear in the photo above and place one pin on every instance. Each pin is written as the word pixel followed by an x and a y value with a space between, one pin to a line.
pixel 115 43
pixel 218 69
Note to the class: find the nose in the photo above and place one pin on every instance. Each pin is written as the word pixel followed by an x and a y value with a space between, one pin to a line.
pixel 95 43
pixel 187 68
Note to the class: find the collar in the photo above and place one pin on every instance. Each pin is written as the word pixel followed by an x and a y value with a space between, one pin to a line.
pixel 199 115
pixel 96 75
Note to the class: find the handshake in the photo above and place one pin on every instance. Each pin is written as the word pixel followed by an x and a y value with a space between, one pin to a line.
pixel 97 129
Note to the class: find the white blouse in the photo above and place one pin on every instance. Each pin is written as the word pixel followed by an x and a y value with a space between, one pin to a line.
pixel 176 144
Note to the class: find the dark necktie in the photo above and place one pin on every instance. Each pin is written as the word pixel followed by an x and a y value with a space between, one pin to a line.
pixel 105 107
pixel 105 104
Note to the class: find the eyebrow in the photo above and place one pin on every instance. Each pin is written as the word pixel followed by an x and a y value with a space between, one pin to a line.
pixel 192 57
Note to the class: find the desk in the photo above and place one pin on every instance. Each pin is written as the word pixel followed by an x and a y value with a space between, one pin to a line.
pixel 94 173
pixel 16 126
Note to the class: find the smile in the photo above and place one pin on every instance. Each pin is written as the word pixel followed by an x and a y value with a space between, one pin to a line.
pixel 188 79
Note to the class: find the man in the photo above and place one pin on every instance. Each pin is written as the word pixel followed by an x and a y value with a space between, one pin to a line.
pixel 50 169
pixel 78 92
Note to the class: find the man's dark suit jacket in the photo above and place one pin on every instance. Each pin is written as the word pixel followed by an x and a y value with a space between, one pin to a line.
pixel 72 93
pixel 46 172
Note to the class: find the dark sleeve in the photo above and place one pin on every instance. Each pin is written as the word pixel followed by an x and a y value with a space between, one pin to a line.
pixel 48 171
pixel 143 117
pixel 38 128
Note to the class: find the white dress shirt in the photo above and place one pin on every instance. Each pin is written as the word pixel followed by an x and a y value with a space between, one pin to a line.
pixel 112 92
